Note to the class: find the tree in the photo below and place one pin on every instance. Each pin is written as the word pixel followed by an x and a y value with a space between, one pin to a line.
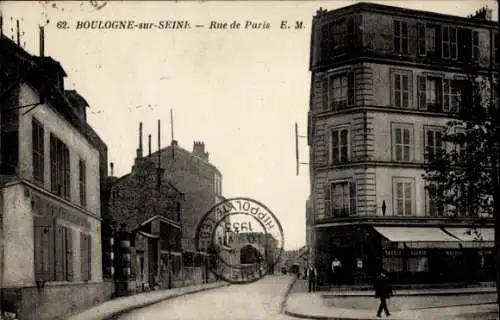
pixel 462 175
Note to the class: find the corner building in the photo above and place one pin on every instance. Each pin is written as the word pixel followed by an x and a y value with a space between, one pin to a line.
pixel 384 83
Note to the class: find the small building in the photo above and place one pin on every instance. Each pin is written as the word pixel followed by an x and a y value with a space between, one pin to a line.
pixel 50 167
pixel 144 208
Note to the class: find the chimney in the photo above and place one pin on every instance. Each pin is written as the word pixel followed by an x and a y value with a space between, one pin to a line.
pixel 18 33
pixel 489 14
pixel 174 143
pixel 139 151
pixel 42 41
pixel 149 143
pixel 111 165
pixel 199 150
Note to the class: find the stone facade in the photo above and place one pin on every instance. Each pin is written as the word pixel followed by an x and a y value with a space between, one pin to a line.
pixel 376 74
pixel 49 193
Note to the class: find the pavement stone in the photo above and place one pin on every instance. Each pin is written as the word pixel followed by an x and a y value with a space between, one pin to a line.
pixel 114 307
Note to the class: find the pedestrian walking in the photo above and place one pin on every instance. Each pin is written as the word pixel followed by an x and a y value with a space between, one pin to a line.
pixel 312 276
pixel 383 291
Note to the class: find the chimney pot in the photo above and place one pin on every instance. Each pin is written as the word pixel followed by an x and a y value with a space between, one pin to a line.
pixel 149 144
pixel 112 165
pixel 139 151
pixel 42 41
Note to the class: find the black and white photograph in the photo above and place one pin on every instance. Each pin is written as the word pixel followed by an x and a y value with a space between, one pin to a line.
pixel 251 159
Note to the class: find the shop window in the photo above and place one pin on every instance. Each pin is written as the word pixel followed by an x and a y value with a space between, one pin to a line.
pixel 392 264
pixel 418 264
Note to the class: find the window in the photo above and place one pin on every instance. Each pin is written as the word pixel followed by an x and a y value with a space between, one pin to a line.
pixel 403 196
pixel 449 43
pixel 59 167
pixel 340 91
pixel 430 93
pixel 339 31
pixel 434 207
pixel 400 37
pixel 86 256
pixel 402 142
pixel 496 56
pixel 433 40
pixel 339 150
pixel 83 183
pixel 422 49
pixel 475 46
pixel 53 251
pixel 38 152
pixel 401 89
pixel 340 199
pixel 433 143
pixel 452 95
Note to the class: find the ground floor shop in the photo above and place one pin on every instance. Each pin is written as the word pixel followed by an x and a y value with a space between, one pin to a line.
pixel 408 254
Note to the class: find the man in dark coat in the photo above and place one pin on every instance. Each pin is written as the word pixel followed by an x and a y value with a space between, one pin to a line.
pixel 312 276
pixel 383 291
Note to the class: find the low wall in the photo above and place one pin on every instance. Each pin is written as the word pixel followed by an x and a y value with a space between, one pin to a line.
pixel 55 301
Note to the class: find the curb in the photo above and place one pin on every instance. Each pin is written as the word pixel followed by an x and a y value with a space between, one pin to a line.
pixel 149 303
pixel 409 294
pixel 287 293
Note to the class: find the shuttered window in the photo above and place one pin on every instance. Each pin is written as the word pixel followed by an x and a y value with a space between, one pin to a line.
pixel 85 256
pixel 53 251
pixel 38 151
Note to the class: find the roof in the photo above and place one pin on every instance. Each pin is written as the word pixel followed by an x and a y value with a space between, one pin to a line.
pixel 167 151
pixel 18 65
pixel 419 14
pixel 75 98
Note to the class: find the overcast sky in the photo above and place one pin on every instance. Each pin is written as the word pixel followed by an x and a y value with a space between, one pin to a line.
pixel 239 91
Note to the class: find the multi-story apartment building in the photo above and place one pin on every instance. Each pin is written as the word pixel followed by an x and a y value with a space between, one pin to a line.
pixel 384 83
pixel 50 168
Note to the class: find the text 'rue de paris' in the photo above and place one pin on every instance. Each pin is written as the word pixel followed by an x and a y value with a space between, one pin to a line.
pixel 253 25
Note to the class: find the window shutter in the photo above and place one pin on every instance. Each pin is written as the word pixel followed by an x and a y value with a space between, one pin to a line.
pixel 83 257
pixel 351 89
pixel 422 50
pixel 422 87
pixel 324 91
pixel 44 248
pixel 69 254
pixel 60 253
pixel 352 196
pixel 327 197
pixel 439 93
pixel 89 257
pixel 446 95
pixel 358 22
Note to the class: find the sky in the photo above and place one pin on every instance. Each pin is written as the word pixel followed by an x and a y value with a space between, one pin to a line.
pixel 239 91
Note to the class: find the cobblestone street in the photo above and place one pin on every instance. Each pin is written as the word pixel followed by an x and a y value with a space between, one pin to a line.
pixel 260 300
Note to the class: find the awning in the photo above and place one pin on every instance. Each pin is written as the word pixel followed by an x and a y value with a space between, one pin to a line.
pixel 419 237
pixel 484 238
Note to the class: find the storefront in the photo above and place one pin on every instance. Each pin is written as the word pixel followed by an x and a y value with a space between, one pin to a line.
pixel 408 254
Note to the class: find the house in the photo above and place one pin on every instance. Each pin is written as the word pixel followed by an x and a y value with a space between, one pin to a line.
pixel 384 83
pixel 144 208
pixel 50 168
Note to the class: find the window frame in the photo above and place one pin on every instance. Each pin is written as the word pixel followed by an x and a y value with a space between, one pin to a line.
pixel 401 37
pixel 402 126
pixel 351 209
pixel 440 212
pixel 38 151
pixel 404 181
pixel 339 129
pixel 336 104
pixel 60 167
pixel 475 46
pixel 82 181
pixel 434 129
pixel 451 44
pixel 401 74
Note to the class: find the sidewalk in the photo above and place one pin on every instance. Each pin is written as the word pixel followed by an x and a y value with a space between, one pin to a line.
pixel 472 303
pixel 122 305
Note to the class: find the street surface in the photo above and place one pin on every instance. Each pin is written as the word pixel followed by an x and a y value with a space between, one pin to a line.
pixel 259 300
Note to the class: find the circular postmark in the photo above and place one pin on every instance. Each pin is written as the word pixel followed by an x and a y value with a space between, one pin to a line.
pixel 243 239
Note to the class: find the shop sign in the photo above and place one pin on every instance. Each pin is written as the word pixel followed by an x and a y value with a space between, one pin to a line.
pixel 418 252
pixel 389 253
pixel 45 207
